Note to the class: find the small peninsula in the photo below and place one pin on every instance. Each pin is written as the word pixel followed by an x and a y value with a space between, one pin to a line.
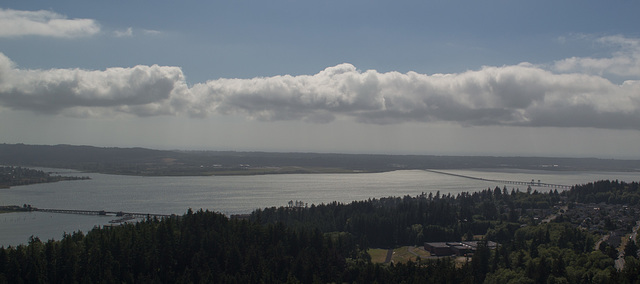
pixel 14 176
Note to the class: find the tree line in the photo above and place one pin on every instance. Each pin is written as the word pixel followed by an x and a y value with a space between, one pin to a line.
pixel 392 221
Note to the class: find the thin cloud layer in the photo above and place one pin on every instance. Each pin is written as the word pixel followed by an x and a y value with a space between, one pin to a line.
pixel 124 33
pixel 624 62
pixel 517 95
pixel 44 23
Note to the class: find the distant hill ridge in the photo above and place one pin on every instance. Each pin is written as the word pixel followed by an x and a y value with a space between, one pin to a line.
pixel 38 154
pixel 142 161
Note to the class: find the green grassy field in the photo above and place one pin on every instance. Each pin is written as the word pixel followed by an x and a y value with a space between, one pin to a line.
pixel 377 255
pixel 400 255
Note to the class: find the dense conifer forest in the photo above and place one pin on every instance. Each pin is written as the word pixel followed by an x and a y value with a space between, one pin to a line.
pixel 328 243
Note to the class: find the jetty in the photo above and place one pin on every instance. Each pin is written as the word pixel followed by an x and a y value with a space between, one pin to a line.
pixel 516 182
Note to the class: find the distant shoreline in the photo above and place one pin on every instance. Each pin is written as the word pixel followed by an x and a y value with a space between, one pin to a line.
pixel 149 162
pixel 253 172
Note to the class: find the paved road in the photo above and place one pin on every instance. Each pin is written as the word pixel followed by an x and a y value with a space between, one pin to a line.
pixel 389 255
pixel 410 250
pixel 554 216
pixel 603 239
pixel 619 263
pixel 634 234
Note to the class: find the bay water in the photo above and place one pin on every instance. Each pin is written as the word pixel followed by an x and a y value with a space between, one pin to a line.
pixel 240 194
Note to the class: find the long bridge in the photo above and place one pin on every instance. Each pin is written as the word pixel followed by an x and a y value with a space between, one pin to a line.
pixel 102 212
pixel 527 183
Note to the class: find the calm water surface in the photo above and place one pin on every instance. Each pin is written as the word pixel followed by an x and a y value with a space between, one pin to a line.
pixel 237 194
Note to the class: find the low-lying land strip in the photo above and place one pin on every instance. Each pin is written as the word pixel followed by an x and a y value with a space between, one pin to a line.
pixel 14 208
pixel 14 176
pixel 148 162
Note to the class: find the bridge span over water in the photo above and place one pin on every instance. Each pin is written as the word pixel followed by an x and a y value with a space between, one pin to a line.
pixel 102 212
pixel 527 183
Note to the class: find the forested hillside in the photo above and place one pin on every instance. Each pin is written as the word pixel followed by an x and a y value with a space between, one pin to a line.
pixel 329 243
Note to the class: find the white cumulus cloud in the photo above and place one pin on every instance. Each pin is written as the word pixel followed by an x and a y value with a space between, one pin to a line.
pixel 522 95
pixel 515 95
pixel 140 90
pixel 44 23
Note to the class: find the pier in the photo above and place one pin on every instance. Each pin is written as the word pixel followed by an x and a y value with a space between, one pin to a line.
pixel 102 213
pixel 527 183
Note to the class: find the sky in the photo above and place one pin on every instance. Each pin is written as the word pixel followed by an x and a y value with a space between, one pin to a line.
pixel 491 78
